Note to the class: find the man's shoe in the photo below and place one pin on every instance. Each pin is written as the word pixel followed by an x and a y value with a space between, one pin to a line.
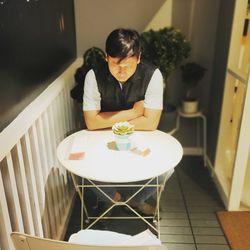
pixel 144 207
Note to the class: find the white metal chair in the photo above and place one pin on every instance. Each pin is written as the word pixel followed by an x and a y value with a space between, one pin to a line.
pixel 27 242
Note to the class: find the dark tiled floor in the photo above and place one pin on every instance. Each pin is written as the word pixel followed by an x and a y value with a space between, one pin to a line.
pixel 188 206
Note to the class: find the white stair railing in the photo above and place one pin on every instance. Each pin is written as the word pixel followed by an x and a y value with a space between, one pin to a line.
pixel 36 193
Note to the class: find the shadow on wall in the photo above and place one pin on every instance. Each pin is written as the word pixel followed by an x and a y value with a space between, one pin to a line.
pixel 59 199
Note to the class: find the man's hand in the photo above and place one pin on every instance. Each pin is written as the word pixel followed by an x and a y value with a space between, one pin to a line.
pixel 148 121
pixel 139 108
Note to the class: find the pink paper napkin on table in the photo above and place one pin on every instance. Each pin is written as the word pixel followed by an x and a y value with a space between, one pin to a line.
pixel 78 148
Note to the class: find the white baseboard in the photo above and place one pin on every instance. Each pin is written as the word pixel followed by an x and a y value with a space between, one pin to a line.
pixel 220 189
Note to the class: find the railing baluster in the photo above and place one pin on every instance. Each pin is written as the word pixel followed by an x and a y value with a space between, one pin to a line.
pixel 13 198
pixel 56 174
pixel 59 124
pixel 35 192
pixel 70 110
pixel 66 109
pixel 29 167
pixel 6 228
pixel 55 165
pixel 50 204
pixel 22 186
pixel 39 178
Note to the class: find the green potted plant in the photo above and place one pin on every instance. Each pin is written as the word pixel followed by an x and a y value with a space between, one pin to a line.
pixel 166 48
pixel 192 74
pixel 93 56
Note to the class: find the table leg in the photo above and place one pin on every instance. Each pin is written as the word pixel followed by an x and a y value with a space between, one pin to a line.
pixel 123 203
pixel 81 195
pixel 160 189
pixel 156 217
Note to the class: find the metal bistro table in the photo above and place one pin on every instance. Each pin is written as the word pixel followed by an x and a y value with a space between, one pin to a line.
pixel 103 163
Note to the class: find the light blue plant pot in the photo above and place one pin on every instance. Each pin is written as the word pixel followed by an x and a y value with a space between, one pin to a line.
pixel 122 142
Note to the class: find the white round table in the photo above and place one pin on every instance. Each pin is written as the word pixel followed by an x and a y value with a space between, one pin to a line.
pixel 103 162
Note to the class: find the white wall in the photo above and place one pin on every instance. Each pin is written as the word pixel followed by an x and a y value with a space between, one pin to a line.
pixel 162 18
pixel 203 39
pixel 95 19
pixel 197 19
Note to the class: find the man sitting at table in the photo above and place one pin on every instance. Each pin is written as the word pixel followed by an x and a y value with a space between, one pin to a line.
pixel 124 88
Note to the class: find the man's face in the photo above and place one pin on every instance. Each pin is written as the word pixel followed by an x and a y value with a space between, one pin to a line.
pixel 124 69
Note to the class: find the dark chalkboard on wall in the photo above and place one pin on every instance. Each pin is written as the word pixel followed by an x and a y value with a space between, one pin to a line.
pixel 37 43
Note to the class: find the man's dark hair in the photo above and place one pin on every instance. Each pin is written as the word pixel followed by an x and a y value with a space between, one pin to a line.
pixel 123 43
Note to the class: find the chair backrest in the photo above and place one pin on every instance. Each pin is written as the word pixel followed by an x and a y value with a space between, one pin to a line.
pixel 28 242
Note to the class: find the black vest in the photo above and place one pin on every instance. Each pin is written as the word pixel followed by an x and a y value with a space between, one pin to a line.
pixel 113 98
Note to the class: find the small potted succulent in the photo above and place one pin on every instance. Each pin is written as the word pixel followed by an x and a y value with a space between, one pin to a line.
pixel 122 132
